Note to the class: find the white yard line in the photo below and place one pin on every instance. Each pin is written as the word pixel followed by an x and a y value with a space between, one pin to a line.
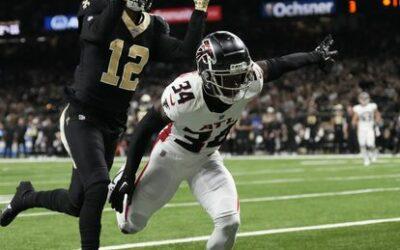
pixel 4 199
pixel 255 233
pixel 15 183
pixel 365 177
pixel 234 173
pixel 299 180
pixel 345 162
pixel 259 199
pixel 269 171
pixel 324 162
pixel 242 183
pixel 346 168
pixel 225 156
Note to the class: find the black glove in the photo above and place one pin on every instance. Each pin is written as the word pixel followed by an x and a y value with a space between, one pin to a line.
pixel 121 192
pixel 326 54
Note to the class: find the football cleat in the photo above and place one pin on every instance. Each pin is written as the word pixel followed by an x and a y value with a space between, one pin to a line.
pixel 17 204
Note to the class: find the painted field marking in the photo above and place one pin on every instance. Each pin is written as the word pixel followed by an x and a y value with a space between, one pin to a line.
pixel 225 156
pixel 234 173
pixel 345 162
pixel 258 199
pixel 15 183
pixel 255 233
pixel 299 180
pixel 244 183
pixel 269 171
pixel 4 199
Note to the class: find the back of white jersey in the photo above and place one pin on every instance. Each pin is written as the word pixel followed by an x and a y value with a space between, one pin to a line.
pixel 195 128
pixel 366 115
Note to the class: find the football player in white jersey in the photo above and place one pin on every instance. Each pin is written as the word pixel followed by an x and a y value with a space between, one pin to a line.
pixel 366 117
pixel 197 111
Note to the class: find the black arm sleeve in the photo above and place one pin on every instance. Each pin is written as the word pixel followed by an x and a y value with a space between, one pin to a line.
pixel 171 49
pixel 151 124
pixel 276 67
pixel 96 27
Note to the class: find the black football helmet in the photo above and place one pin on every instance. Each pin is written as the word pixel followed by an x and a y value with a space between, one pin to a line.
pixel 225 65
pixel 139 5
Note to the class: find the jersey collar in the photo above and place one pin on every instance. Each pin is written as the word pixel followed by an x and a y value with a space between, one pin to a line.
pixel 134 29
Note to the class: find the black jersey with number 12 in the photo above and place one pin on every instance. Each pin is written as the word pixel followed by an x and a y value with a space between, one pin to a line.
pixel 115 51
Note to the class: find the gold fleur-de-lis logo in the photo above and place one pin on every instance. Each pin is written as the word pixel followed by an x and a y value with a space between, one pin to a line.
pixel 85 4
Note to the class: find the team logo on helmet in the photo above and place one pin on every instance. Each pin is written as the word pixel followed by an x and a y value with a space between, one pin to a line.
pixel 206 52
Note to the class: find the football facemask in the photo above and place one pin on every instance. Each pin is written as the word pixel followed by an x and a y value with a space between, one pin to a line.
pixel 229 86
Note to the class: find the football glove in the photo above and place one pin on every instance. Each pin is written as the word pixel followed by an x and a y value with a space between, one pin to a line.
pixel 326 54
pixel 121 191
pixel 201 5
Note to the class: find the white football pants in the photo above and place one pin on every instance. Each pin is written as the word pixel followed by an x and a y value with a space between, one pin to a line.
pixel 210 182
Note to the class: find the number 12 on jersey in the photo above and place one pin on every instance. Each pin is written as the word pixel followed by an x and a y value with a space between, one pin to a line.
pixel 130 68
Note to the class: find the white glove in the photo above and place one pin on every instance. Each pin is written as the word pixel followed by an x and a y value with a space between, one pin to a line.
pixel 201 5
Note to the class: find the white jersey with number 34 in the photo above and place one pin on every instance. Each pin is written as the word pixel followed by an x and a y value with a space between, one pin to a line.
pixel 195 128
pixel 366 115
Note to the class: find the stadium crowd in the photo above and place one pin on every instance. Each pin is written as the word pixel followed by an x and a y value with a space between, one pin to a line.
pixel 304 112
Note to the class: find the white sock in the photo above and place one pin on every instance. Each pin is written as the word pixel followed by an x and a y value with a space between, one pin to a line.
pixel 365 154
pixel 224 234
pixel 374 154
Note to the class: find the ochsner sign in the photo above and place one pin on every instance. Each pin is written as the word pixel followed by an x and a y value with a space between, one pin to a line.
pixel 284 8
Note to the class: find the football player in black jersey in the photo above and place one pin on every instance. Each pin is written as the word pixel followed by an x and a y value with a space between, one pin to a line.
pixel 118 39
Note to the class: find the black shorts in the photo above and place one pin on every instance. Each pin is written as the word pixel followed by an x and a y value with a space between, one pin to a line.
pixel 91 143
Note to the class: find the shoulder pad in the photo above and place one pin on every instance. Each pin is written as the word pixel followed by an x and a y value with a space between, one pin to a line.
pixel 90 7
pixel 161 25
pixel 180 98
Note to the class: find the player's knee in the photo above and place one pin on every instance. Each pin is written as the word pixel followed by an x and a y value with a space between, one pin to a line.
pixel 229 224
pixel 134 224
pixel 96 193
pixel 224 234
pixel 73 211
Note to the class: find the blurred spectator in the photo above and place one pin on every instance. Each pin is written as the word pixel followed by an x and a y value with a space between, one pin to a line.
pixel 243 138
pixel 20 137
pixel 340 129
pixel 9 137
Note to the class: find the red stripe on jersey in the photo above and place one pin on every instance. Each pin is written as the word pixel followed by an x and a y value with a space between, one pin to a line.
pixel 141 174
pixel 163 135
pixel 238 205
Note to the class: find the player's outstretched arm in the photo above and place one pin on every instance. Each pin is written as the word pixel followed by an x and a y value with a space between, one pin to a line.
pixel 276 67
pixel 152 123
pixel 171 49
pixel 98 18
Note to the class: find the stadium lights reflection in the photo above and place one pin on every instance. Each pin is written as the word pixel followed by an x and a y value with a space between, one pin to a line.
pixel 13 40
pixel 41 39
pixel 352 6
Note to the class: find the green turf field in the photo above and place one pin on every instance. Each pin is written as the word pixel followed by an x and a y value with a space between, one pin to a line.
pixel 275 194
